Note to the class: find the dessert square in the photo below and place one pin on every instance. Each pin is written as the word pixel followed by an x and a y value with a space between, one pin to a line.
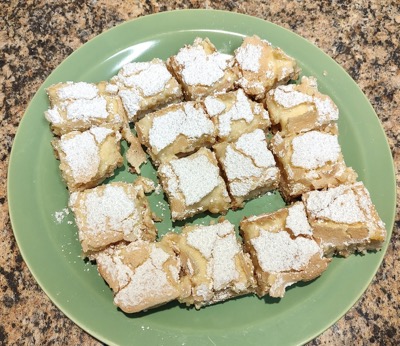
pixel 310 161
pixel 300 108
pixel 145 87
pixel 344 219
pixel 249 167
pixel 282 248
pixel 263 67
pixel 213 259
pixel 234 113
pixel 193 184
pixel 142 275
pixel 79 106
pixel 89 157
pixel 111 213
pixel 202 70
pixel 177 129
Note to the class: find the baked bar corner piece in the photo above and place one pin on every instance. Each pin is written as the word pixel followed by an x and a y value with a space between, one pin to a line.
pixel 282 248
pixel 111 213
pixel 213 260
pixel 177 129
pixel 310 161
pixel 78 106
pixel 145 87
pixel 249 167
pixel 233 114
pixel 193 184
pixel 299 108
pixel 142 275
pixel 263 67
pixel 89 157
pixel 344 219
pixel 202 70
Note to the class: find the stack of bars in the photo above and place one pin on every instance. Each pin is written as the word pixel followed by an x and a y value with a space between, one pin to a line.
pixel 220 130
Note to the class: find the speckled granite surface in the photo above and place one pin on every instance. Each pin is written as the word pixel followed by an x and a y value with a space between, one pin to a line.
pixel 35 36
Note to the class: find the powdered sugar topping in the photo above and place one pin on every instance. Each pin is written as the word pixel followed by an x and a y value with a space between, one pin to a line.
pixel 297 220
pixel 214 106
pixel 80 90
pixel 248 57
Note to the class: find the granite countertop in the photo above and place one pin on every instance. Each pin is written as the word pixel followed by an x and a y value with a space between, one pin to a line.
pixel 35 36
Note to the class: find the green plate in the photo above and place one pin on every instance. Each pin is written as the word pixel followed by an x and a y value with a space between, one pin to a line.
pixel 52 251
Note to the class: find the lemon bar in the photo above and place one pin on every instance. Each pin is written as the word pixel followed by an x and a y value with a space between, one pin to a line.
pixel 89 157
pixel 111 213
pixel 310 161
pixel 145 87
pixel 233 114
pixel 344 219
pixel 282 248
pixel 79 106
pixel 300 108
pixel 202 70
pixel 249 167
pixel 142 275
pixel 177 129
pixel 263 67
pixel 213 259
pixel 193 184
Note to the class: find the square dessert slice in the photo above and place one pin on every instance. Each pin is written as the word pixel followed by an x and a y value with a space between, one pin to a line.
pixel 299 108
pixel 202 70
pixel 213 259
pixel 146 86
pixel 234 113
pixel 177 129
pixel 79 106
pixel 344 219
pixel 282 249
pixel 310 161
pixel 89 157
pixel 193 184
pixel 111 213
pixel 263 67
pixel 142 275
pixel 249 167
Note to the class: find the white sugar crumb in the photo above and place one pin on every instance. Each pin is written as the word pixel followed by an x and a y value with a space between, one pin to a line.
pixel 190 121
pixel 87 109
pixel 52 115
pixel 297 221
pixel 277 252
pixel 314 149
pixel 80 90
pixel 158 189
pixel 338 204
pixel 60 215
pixel 81 155
pixel 326 109
pixel 254 145
pixel 248 57
pixel 199 68
pixel 197 177
pixel 241 109
pixel 111 88
pixel 214 106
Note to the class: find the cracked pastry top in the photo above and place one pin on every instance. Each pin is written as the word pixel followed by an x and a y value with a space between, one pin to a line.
pixel 177 129
pixel 233 114
pixel 299 108
pixel 193 184
pixel 344 219
pixel 263 67
pixel 283 249
pixel 89 157
pixel 142 275
pixel 213 260
pixel 310 161
pixel 79 106
pixel 111 213
pixel 145 87
pixel 202 70
pixel 249 167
